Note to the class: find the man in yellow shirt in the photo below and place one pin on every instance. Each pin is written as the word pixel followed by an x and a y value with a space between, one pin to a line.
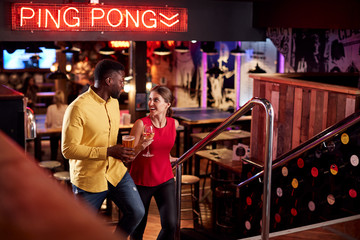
pixel 89 141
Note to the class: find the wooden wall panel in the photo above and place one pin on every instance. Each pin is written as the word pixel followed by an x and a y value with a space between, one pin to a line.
pixel 275 103
pixel 281 126
pixel 312 112
pixel 340 108
pixel 319 106
pixel 350 105
pixel 332 109
pixel 286 103
pixel 255 115
pixel 304 131
pixel 325 110
pixel 300 112
pixel 295 141
pixel 260 137
pixel 289 117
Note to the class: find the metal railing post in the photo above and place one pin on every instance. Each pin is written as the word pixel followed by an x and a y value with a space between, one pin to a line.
pixel 178 199
pixel 267 170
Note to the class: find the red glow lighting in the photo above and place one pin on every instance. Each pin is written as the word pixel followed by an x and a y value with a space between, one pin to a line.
pixel 89 17
pixel 120 44
pixel 170 43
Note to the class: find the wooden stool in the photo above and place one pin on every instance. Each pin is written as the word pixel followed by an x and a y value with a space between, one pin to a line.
pixel 51 165
pixel 191 180
pixel 63 177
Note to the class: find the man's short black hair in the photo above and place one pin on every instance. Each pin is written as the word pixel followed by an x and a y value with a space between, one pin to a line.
pixel 105 68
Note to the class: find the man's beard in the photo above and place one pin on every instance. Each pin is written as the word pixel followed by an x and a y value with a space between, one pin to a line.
pixel 116 94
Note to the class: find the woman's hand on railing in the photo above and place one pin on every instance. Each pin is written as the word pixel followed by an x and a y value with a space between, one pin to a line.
pixel 173 159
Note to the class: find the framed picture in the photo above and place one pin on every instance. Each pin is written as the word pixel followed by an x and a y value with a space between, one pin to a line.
pixel 140 102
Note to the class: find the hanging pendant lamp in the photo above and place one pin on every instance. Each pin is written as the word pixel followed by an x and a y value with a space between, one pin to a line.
pixel 237 51
pixel 182 48
pixel 106 50
pixel 257 69
pixel 162 50
pixel 58 75
pixel 209 48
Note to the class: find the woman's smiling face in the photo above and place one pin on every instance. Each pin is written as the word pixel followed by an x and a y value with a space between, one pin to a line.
pixel 157 104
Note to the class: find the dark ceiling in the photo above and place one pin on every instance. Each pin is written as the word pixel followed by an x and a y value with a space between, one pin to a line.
pixel 213 20
pixel 316 14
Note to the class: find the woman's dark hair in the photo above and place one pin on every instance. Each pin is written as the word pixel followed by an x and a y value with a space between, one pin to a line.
pixel 167 95
pixel 105 68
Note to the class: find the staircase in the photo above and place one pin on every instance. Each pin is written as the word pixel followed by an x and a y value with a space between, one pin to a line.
pixel 314 185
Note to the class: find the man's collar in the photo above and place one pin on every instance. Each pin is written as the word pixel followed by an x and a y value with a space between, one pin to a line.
pixel 96 97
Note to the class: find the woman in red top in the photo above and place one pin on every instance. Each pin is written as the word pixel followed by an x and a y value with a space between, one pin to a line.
pixel 153 176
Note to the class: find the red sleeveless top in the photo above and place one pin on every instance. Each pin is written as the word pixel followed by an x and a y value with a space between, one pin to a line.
pixel 153 171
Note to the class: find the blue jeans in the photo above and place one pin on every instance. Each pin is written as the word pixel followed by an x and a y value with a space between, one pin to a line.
pixel 125 196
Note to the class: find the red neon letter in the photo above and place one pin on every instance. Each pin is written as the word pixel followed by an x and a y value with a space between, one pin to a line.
pixel 77 24
pixel 151 19
pixel 108 17
pixel 48 13
pixel 39 23
pixel 135 22
pixel 93 15
pixel 25 17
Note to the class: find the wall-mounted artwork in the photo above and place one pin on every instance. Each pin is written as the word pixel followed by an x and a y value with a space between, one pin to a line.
pixel 318 50
pixel 140 102
pixel 259 57
pixel 199 79
pixel 187 87
pixel 220 77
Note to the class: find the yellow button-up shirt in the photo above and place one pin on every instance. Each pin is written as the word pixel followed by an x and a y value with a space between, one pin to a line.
pixel 90 126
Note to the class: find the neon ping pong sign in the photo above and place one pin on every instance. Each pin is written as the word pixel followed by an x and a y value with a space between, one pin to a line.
pixel 90 17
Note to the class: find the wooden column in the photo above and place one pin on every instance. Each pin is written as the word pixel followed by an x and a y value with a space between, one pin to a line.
pixel 138 83
pixel 60 84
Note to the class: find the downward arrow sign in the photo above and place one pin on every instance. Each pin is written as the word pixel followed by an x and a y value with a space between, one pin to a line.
pixel 169 18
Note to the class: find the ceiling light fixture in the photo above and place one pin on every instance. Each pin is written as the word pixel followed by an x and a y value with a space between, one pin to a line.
pixel 257 69
pixel 107 50
pixel 237 51
pixel 71 49
pixel 181 48
pixel 162 50
pixel 209 48
pixel 128 78
pixel 58 75
pixel 54 46
pixel 125 52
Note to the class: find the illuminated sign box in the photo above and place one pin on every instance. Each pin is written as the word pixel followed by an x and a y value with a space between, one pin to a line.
pixel 97 17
